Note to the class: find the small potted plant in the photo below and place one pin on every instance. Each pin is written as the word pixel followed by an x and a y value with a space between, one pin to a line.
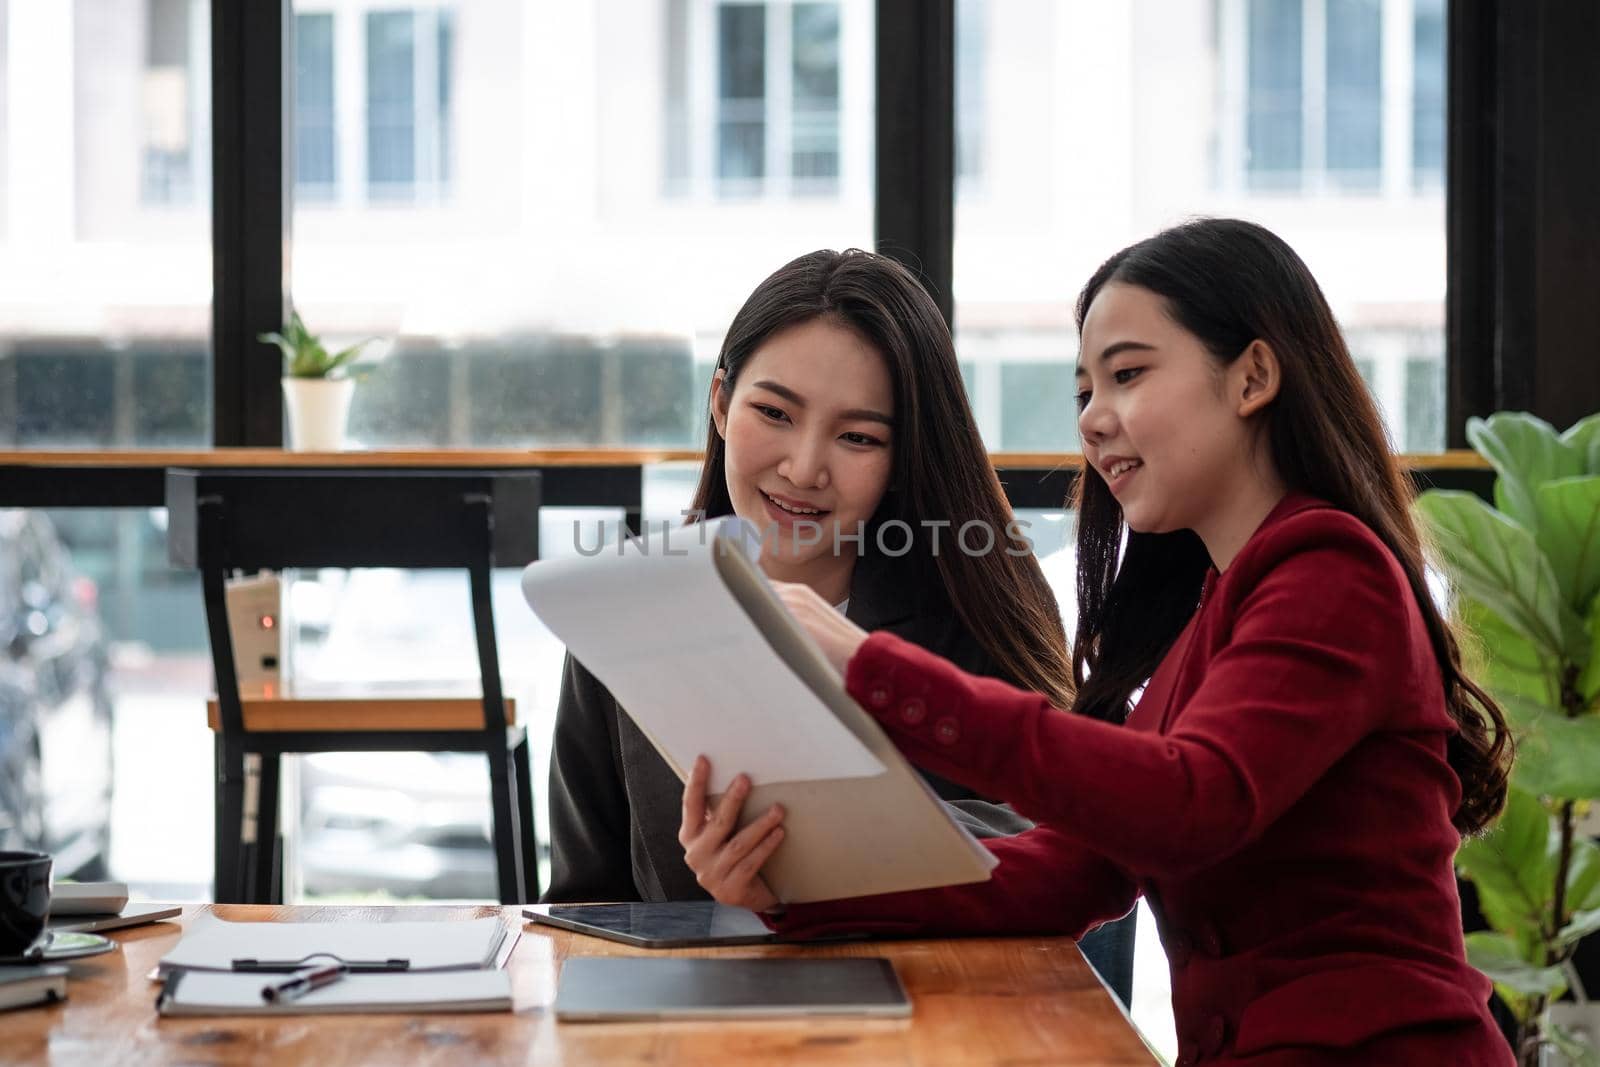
pixel 1526 577
pixel 317 386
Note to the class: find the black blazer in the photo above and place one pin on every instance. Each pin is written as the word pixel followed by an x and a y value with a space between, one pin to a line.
pixel 615 805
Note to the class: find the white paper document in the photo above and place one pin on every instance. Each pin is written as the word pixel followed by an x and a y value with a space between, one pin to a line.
pixel 218 945
pixel 653 621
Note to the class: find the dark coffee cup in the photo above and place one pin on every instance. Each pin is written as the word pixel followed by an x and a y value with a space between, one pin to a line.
pixel 24 899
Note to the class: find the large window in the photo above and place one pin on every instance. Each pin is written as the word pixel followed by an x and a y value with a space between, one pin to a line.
pixel 105 264
pixel 1323 119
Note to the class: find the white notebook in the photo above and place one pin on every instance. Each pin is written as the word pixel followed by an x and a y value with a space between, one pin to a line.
pixel 30 984
pixel 130 915
pixel 219 993
pixel 218 945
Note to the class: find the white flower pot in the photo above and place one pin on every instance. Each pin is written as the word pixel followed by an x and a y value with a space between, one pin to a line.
pixel 318 408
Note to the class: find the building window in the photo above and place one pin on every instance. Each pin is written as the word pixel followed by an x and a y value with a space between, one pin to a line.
pixel 1274 123
pixel 315 132
pixel 1353 135
pixel 971 42
pixel 741 93
pixel 1336 94
pixel 172 163
pixel 772 98
pixel 1428 101
pixel 407 103
pixel 814 131
pixel 1315 102
pixel 373 111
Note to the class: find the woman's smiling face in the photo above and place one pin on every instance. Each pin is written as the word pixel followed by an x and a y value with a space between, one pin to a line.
pixel 808 428
pixel 1158 414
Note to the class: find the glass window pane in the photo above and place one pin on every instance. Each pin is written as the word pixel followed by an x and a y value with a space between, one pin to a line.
pixel 444 77
pixel 1424 403
pixel 105 262
pixel 169 144
pixel 1355 92
pixel 1428 109
pixel 314 131
pixel 742 93
pixel 815 156
pixel 391 103
pixel 970 60
pixel 1036 408
pixel 1274 122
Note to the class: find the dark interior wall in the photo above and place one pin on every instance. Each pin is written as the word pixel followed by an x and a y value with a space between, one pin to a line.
pixel 1523 307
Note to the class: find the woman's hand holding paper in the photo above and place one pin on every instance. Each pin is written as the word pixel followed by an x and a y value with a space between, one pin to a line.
pixel 838 636
pixel 726 864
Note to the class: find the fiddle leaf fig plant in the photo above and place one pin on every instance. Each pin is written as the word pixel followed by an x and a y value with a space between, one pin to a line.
pixel 305 356
pixel 1526 578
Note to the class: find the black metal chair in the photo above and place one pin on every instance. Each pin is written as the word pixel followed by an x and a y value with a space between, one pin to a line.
pixel 255 519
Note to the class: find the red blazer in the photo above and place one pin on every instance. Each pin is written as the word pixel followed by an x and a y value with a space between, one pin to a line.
pixel 1280 795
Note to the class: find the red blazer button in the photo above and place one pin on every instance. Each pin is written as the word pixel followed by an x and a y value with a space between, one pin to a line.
pixel 947 731
pixel 878 696
pixel 913 712
pixel 1215 1035
pixel 1210 941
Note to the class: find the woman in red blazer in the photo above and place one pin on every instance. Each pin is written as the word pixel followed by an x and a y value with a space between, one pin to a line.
pixel 1289 790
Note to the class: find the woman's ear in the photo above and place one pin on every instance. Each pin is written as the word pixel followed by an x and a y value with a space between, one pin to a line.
pixel 1258 377
pixel 719 403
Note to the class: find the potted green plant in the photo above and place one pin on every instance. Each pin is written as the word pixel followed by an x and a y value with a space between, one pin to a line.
pixel 317 386
pixel 1526 577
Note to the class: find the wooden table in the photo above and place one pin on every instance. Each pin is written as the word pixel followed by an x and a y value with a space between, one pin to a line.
pixel 572 477
pixel 1012 1001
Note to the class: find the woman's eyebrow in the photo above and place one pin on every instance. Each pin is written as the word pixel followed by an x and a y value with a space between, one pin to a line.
pixel 1116 349
pixel 799 401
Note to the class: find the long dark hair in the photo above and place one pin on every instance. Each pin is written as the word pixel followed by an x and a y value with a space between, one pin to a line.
pixel 940 469
pixel 1230 283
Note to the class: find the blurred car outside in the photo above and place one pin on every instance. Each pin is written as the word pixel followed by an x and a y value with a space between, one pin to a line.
pixel 55 706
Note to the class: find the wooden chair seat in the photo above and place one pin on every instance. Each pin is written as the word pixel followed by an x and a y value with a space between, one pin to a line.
pixel 349 714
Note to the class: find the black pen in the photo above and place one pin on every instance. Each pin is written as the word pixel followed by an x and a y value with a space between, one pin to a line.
pixel 303 982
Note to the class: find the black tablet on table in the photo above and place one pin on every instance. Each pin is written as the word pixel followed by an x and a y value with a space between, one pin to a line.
pixel 675 924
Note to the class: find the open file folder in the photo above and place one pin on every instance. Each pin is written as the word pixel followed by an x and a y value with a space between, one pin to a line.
pixel 684 630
